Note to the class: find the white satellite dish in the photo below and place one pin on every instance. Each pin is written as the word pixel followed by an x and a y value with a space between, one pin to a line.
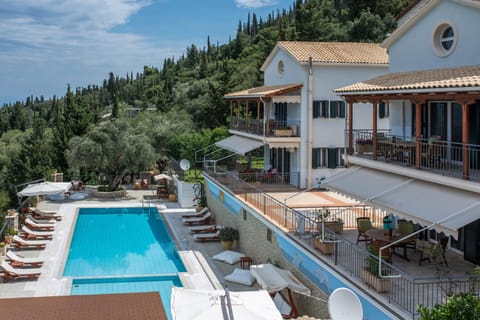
pixel 185 164
pixel 343 304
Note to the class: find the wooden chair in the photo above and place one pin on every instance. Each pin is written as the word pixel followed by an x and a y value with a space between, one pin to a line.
pixel 363 225
pixel 245 263
pixel 435 253
pixel 404 228
pixel 435 152
pixel 386 253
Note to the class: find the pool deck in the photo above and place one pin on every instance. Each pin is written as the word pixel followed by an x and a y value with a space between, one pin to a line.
pixel 202 271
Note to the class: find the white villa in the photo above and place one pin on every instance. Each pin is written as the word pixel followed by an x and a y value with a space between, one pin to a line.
pixel 296 115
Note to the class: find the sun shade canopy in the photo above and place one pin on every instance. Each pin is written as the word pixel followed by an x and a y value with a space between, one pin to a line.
pixel 422 202
pixel 238 144
pixel 274 279
pixel 44 188
pixel 189 304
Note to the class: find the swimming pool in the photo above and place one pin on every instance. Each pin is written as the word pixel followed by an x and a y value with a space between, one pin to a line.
pixel 118 250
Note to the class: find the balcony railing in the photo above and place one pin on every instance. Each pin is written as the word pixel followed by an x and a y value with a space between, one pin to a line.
pixel 437 156
pixel 404 291
pixel 272 128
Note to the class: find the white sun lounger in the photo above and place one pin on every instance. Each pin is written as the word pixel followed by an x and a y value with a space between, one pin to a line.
pixel 210 236
pixel 32 224
pixel 44 221
pixel 21 243
pixel 47 214
pixel 204 228
pixel 205 219
pixel 14 273
pixel 37 234
pixel 22 261
pixel 200 213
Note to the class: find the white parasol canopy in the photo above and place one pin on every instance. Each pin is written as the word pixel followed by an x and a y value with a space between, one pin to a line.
pixel 273 279
pixel 188 304
pixel 44 188
pixel 161 176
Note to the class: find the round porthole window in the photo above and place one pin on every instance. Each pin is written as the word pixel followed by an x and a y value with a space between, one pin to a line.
pixel 281 68
pixel 444 39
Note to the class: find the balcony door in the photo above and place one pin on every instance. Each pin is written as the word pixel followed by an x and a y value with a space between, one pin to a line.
pixel 281 114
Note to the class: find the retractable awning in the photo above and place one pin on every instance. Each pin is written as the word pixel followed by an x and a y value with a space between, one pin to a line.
pixel 238 144
pixel 422 202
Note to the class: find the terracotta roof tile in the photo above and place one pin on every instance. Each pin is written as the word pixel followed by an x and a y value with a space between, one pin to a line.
pixel 336 52
pixel 264 91
pixel 460 77
pixel 145 306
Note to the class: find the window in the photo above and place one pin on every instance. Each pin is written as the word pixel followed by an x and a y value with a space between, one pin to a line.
pixel 328 109
pixel 383 110
pixel 444 39
pixel 327 158
pixel 280 68
pixel 320 109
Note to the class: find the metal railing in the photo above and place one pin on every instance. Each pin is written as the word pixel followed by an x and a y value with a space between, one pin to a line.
pixel 271 128
pixel 437 156
pixel 406 292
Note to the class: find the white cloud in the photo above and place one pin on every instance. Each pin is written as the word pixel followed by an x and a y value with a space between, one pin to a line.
pixel 74 40
pixel 254 3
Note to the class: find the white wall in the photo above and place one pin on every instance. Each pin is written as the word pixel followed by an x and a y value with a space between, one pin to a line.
pixel 414 50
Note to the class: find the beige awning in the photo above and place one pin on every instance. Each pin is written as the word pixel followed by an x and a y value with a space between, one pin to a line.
pixel 422 202
pixel 238 144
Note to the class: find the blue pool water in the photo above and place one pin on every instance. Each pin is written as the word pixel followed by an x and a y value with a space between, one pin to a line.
pixel 118 250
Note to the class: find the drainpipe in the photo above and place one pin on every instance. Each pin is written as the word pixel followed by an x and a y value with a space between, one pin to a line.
pixel 310 123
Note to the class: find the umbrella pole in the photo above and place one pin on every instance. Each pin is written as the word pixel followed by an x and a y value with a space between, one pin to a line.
pixel 229 303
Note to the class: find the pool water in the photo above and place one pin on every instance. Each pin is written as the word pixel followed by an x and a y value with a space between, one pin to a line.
pixel 119 250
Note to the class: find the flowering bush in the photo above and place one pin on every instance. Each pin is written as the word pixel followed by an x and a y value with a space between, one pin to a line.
pixel 363 141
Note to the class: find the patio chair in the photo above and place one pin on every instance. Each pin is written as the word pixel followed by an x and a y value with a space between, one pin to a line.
pixel 434 253
pixel 211 236
pixel 34 235
pixel 19 261
pixel 38 226
pixel 363 225
pixel 405 228
pixel 16 273
pixel 19 243
pixel 206 219
pixel 386 253
pixel 200 213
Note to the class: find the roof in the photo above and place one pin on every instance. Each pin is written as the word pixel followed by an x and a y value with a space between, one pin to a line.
pixel 332 52
pixel 437 79
pixel 416 13
pixel 145 306
pixel 265 91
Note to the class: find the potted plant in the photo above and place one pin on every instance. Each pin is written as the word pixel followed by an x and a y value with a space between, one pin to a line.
pixel 172 196
pixel 324 244
pixel 370 275
pixel 363 145
pixel 201 202
pixel 227 235
pixel 9 233
pixel 333 224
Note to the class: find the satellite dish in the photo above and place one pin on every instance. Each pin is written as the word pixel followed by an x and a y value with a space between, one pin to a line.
pixel 185 164
pixel 343 304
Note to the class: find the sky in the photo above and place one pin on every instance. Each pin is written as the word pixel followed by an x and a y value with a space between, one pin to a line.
pixel 47 44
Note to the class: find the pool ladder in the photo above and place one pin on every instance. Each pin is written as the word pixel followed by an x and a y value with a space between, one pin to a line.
pixel 146 204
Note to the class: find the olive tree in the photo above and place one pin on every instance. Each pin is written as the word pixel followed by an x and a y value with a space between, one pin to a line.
pixel 112 148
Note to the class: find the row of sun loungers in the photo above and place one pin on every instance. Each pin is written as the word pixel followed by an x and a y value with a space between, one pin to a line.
pixel 35 234
pixel 202 225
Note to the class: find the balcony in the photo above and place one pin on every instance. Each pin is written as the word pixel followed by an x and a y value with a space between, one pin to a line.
pixel 405 285
pixel 432 155
pixel 272 128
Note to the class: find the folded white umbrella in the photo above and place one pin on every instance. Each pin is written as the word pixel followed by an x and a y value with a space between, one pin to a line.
pixel 44 188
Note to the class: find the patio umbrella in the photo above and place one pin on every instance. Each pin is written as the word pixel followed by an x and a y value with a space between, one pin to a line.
pixel 188 304
pixel 44 188
pixel 161 176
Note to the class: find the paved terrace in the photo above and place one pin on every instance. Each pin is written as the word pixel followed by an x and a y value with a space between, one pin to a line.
pixel 202 271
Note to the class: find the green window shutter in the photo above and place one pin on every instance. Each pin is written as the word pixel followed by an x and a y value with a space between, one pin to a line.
pixel 315 158
pixel 333 109
pixel 332 158
pixel 341 112
pixel 381 110
pixel 324 105
pixel 316 109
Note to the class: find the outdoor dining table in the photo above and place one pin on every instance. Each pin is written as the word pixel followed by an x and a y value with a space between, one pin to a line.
pixel 386 237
